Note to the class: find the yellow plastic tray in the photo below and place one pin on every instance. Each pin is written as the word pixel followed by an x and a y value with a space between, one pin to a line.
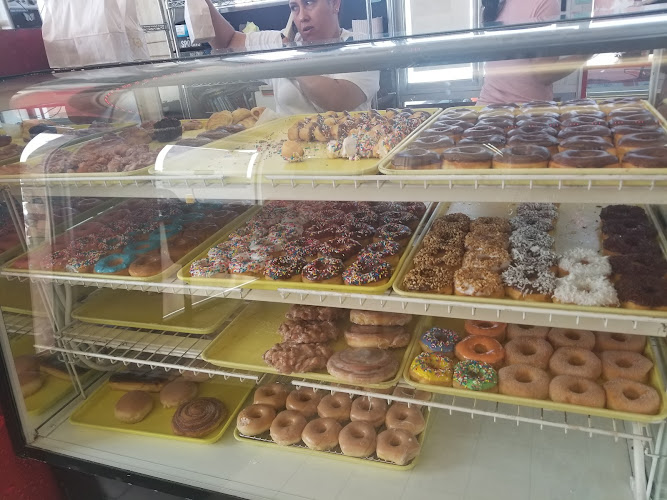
pixel 15 296
pixel 98 411
pixel 265 441
pixel 386 168
pixel 255 330
pixel 457 326
pixel 166 273
pixel 442 209
pixel 255 152
pixel 156 311
pixel 230 281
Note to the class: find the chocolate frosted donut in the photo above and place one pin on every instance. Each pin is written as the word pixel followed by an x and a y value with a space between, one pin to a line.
pixel 522 157
pixel 622 130
pixel 538 104
pixel 630 110
pixel 468 115
pixel 597 130
pixel 547 121
pixel 434 143
pixel 589 112
pixel 638 265
pixel 530 114
pixel 580 102
pixel 583 120
pixel 478 130
pixel 530 128
pixel 629 227
pixel 544 140
pixel 467 157
pixel 621 244
pixel 507 105
pixel 489 141
pixel 583 159
pixel 586 142
pixel 642 292
pixel 503 122
pixel 646 158
pixel 444 122
pixel 619 101
pixel 637 119
pixel 449 130
pixel 639 141
pixel 416 159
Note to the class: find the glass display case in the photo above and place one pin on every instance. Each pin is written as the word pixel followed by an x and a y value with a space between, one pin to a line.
pixel 402 290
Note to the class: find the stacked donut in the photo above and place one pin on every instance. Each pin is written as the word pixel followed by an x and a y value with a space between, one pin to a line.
pixel 567 366
pixel 531 275
pixel 357 244
pixel 636 260
pixel 575 134
pixel 137 238
pixel 359 427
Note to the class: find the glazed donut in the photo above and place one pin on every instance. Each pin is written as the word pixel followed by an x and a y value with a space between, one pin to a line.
pixel 287 427
pixel 400 416
pixel 567 337
pixel 397 446
pixel 273 395
pixel 255 419
pixel 321 434
pixel 146 265
pixel 368 270
pixel 528 351
pixel 336 406
pixel 516 331
pixel 439 340
pixel 641 140
pixel 524 381
pixel 418 158
pixel 467 157
pixel 323 270
pixel 544 140
pixel 596 130
pixel 522 156
pixel 370 410
pixel 304 400
pixel 625 364
pixel 481 348
pixel 575 361
pixel 573 390
pixel 631 396
pixel 583 261
pixel 432 368
pixel 475 376
pixel 573 158
pixel 358 439
pixel 586 142
pixel 619 342
pixel 377 318
pixel 491 329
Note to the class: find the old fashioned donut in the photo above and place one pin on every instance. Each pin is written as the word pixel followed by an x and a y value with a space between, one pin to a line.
pixel 475 376
pixel 400 416
pixel 575 361
pixel 605 341
pixel 433 368
pixel 528 351
pixel 491 329
pixel 567 337
pixel 524 381
pixel 573 390
pixel 255 419
pixel 336 406
pixel 273 395
pixel 398 446
pixel 371 410
pixel 625 364
pixel 304 400
pixel 515 331
pixel 481 348
pixel 358 439
pixel 287 427
pixel 631 396
pixel 321 434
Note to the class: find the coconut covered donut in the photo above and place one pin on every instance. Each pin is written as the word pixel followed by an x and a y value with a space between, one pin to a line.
pixel 583 262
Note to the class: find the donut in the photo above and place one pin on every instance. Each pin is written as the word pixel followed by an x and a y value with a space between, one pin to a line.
pixel 464 114
pixel 605 341
pixel 575 361
pixel 370 410
pixel 475 376
pixel 368 270
pixel 596 130
pixel 399 217
pixel 486 224
pixel 386 250
pixel 429 280
pixel 535 221
pixel 492 259
pixel 636 265
pixel 146 265
pixel 377 318
pixel 632 119
pixel 642 292
pixel 164 232
pixel 322 231
pixel 596 291
pixel 467 157
pixel 412 393
pixel 255 419
pixel 625 364
pixel 284 268
pixel 358 439
pixel 304 400
pixel 287 427
pixel 447 121
pixel 336 406
pixel 478 283
pixel 573 158
pixel 523 381
pixel 628 228
pixel 575 121
pixel 579 391
pixel 631 396
pixel 483 242
pixel 323 270
pixel 432 368
pixel 528 351
pixel 622 130
pixel 522 156
pixel 292 151
pixel 363 233
pixel 583 262
pixel 544 140
pixel 434 144
pixel 141 247
pixel 622 212
pixel 516 331
pixel 533 113
pixel 480 348
pixel 583 111
pixel 439 340
pixel 273 395
pixel 504 123
pixel 416 159
pixel 393 232
pixel 492 142
pixel 115 264
pixel 362 217
pixel 409 418
pixel 586 142
pixel 397 446
pixel 321 434
pixel 491 329
pixel 567 337
pixel 641 140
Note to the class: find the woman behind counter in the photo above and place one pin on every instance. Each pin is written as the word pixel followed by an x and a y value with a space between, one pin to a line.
pixel 316 21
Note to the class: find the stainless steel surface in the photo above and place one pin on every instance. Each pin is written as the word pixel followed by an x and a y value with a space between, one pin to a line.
pixel 656 67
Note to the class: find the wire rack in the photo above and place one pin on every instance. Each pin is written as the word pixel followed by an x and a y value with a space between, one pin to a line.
pixel 18 324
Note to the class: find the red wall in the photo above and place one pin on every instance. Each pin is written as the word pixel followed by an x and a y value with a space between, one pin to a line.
pixel 22 51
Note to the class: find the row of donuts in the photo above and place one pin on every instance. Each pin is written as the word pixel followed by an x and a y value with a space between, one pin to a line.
pixel 541 363
pixel 350 243
pixel 506 136
pixel 358 426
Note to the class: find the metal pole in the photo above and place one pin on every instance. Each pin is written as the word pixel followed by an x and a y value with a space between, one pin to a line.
pixel 169 29
pixel 654 82
pixel 369 18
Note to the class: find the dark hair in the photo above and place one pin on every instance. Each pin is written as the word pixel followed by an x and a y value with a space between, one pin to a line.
pixel 491 10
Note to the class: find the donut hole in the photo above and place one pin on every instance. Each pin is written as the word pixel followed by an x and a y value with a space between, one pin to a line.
pixel 631 394
pixel 618 337
pixel 577 388
pixel 569 334
pixel 623 363
pixel 576 361
pixel 335 404
pixel 255 413
pixel 480 349
pixel 357 434
pixel 524 377
pixel 527 350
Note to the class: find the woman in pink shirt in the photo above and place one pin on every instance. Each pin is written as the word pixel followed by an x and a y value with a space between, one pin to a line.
pixel 522 80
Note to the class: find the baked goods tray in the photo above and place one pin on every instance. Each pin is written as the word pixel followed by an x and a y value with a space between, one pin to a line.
pixel 655 381
pixel 385 166
pixel 255 152
pixel 98 411
pixel 164 274
pixel 15 297
pixel 156 311
pixel 336 454
pixel 230 281
pixel 576 227
pixel 254 331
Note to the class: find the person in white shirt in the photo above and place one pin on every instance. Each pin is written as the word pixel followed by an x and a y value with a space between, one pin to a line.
pixel 316 22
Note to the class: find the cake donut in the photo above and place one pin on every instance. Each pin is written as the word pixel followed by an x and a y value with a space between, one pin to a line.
pixel 579 391
pixel 287 427
pixel 255 419
pixel 631 396
pixel 370 410
pixel 567 337
pixel 573 158
pixel 475 376
pixel 336 406
pixel 321 434
pixel 516 331
pixel 402 416
pixel 480 348
pixel 467 157
pixel 439 340
pixel 432 368
pixel 625 364
pixel 605 341
pixel 528 351
pixel 273 395
pixel 575 361
pixel 304 401
pixel 491 329
pixel 398 446
pixel 524 381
